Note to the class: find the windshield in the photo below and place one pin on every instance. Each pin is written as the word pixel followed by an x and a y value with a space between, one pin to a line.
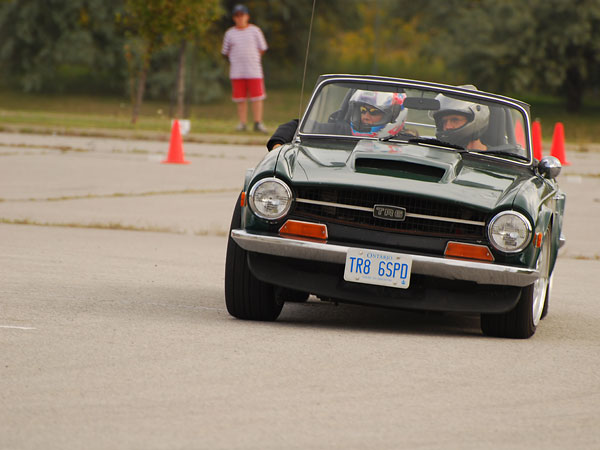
pixel 371 110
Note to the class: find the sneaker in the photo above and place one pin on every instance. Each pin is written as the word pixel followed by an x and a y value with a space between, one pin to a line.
pixel 241 127
pixel 258 126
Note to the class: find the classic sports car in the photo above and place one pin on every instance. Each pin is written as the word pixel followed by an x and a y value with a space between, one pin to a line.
pixel 401 194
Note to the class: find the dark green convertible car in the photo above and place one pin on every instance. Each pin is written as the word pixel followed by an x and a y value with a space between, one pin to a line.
pixel 401 194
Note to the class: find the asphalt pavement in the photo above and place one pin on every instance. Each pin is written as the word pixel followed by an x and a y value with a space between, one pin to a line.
pixel 114 332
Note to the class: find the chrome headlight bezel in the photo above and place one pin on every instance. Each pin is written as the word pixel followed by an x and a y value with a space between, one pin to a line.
pixel 528 229
pixel 262 183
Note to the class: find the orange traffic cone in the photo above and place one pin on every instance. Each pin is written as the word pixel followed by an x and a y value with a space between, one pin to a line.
pixel 175 155
pixel 558 144
pixel 536 136
pixel 519 134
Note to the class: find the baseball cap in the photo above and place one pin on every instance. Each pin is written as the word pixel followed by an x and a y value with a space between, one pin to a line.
pixel 237 9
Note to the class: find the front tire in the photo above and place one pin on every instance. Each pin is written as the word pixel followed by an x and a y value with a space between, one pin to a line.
pixel 548 291
pixel 521 322
pixel 246 297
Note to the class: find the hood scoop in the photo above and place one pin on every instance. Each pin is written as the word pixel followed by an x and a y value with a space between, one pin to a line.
pixel 399 168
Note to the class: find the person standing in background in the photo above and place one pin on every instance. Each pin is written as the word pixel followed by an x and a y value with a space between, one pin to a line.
pixel 244 45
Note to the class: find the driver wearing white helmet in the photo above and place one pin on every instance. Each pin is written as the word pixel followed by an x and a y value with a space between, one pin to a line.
pixel 461 122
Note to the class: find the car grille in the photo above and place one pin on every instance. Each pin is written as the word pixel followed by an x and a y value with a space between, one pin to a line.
pixel 440 219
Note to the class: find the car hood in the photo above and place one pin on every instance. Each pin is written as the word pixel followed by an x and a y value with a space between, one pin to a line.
pixel 480 182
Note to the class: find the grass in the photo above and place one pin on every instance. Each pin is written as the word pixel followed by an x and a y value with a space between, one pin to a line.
pixel 72 112
pixel 595 257
pixel 112 226
pixel 123 194
pixel 99 226
pixel 581 127
pixel 29 112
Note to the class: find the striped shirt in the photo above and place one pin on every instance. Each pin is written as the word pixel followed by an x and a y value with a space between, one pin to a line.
pixel 243 47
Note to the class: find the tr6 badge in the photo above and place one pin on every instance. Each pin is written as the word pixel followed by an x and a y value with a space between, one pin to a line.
pixel 389 212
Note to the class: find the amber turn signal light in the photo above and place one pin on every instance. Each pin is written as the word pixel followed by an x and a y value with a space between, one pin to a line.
pixel 468 251
pixel 538 239
pixel 304 229
pixel 243 199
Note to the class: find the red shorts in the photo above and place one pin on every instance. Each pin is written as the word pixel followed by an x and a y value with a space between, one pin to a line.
pixel 247 88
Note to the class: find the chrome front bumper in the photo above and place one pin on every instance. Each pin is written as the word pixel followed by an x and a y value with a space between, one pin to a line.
pixel 452 269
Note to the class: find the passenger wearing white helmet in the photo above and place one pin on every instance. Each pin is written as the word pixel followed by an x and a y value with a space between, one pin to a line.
pixel 461 122
pixel 371 114
pixel 377 114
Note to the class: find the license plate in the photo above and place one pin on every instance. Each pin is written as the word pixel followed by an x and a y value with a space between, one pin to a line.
pixel 377 267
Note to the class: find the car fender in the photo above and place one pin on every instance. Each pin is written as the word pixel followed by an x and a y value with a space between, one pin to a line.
pixel 559 199
pixel 537 198
pixel 286 162
pixel 264 169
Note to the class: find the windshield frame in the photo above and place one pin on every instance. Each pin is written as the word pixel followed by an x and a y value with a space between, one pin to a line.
pixel 324 80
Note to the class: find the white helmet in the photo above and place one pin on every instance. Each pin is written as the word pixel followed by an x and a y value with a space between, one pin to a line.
pixel 391 106
pixel 478 117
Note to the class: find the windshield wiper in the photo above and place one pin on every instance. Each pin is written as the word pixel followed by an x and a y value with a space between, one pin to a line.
pixel 411 139
pixel 434 141
pixel 403 134
pixel 501 153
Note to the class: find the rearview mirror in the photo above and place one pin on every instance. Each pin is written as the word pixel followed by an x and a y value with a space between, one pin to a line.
pixel 422 103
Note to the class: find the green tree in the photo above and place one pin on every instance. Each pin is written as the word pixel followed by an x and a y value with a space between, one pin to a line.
pixel 49 45
pixel 388 40
pixel 191 20
pixel 551 45
pixel 160 22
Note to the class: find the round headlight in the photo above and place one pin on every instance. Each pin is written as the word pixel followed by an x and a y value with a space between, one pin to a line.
pixel 509 231
pixel 270 198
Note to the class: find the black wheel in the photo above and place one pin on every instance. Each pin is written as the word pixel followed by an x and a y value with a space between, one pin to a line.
pixel 246 297
pixel 521 322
